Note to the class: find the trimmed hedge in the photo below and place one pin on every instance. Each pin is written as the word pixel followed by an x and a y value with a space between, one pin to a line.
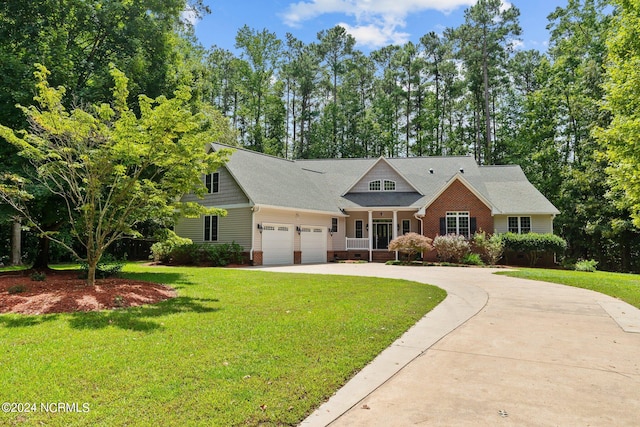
pixel 218 255
pixel 533 245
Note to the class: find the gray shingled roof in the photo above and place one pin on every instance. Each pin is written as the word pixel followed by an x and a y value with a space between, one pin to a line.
pixel 320 184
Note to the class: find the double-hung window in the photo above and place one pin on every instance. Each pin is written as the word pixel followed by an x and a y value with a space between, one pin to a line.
pixel 519 224
pixel 212 182
pixel 458 223
pixel 210 228
pixel 406 226
pixel 359 227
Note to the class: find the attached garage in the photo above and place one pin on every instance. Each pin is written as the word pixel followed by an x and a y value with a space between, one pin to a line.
pixel 277 244
pixel 313 244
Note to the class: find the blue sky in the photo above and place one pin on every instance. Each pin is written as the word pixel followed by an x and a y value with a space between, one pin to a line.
pixel 374 23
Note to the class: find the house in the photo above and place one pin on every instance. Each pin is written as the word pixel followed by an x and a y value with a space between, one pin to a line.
pixel 313 211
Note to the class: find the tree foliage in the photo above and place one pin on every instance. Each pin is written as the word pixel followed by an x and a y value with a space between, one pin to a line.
pixel 112 168
pixel 411 244
pixel 621 139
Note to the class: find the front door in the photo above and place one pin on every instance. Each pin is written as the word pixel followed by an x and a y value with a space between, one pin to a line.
pixel 382 236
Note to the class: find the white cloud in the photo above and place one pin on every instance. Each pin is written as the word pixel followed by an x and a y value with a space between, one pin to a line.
pixel 377 22
pixel 374 36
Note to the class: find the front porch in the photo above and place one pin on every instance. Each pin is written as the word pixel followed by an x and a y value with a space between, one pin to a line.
pixel 368 233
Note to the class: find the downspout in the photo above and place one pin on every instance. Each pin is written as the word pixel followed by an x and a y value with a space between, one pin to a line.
pixel 254 209
pixel 420 216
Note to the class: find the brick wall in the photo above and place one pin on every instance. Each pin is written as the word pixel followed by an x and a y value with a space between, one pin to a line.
pixel 257 257
pixel 457 197
pixel 297 257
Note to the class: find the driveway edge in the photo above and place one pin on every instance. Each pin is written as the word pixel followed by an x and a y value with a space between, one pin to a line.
pixel 463 301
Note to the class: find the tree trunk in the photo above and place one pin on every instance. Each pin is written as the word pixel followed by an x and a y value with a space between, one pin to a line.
pixel 16 242
pixel 42 256
pixel 91 272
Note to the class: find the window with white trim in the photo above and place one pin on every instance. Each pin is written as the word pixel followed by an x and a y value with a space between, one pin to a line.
pixel 212 182
pixel 334 225
pixel 458 223
pixel 382 185
pixel 359 229
pixel 519 224
pixel 210 228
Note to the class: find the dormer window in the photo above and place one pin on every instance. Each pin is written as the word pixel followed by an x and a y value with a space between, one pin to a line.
pixel 389 185
pixel 382 185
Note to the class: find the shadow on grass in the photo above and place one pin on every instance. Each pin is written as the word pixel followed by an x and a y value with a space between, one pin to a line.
pixel 11 320
pixel 141 318
pixel 175 280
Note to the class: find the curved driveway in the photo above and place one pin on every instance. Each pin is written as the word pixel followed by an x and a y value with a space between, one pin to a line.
pixel 497 351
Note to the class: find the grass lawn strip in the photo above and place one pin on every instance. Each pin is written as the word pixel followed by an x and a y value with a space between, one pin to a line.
pixel 235 347
pixel 618 285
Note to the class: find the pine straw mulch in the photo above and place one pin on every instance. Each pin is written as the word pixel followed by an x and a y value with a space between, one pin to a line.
pixel 64 292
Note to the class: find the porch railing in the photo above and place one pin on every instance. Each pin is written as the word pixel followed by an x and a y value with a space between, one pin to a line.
pixel 353 243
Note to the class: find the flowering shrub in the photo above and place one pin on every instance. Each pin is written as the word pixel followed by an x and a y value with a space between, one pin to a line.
pixel 451 248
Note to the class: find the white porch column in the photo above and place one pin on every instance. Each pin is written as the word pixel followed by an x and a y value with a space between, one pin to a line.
pixel 370 233
pixel 394 233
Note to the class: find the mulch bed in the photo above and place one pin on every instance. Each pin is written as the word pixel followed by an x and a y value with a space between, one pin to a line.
pixel 64 292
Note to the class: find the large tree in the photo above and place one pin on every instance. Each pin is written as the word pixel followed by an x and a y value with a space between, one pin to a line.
pixel 621 139
pixel 111 167
pixel 484 43
pixel 77 40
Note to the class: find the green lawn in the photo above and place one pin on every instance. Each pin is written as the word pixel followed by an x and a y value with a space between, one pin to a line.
pixel 237 347
pixel 623 286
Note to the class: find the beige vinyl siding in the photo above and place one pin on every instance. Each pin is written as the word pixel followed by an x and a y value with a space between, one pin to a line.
pixel 539 223
pixel 381 171
pixel 297 219
pixel 236 226
pixel 229 192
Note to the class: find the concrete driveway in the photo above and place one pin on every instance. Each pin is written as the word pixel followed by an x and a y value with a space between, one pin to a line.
pixel 497 351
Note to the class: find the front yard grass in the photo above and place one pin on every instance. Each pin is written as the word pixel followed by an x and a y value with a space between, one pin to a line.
pixel 618 285
pixel 236 347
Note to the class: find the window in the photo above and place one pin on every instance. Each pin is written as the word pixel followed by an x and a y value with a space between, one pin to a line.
pixel 334 225
pixel 389 185
pixel 359 233
pixel 212 182
pixel 406 226
pixel 210 228
pixel 375 185
pixel 519 224
pixel 458 223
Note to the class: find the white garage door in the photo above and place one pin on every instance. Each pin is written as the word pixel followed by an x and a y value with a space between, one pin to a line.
pixel 277 244
pixel 313 244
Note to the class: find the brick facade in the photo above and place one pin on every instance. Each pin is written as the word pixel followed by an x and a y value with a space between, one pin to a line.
pixel 297 257
pixel 257 257
pixel 457 197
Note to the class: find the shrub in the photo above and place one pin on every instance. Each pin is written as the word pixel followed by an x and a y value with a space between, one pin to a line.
pixel 38 276
pixel 108 266
pixel 205 254
pixel 472 259
pixel 533 245
pixel 490 249
pixel 168 241
pixel 16 289
pixel 451 248
pixel 411 244
pixel 586 265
